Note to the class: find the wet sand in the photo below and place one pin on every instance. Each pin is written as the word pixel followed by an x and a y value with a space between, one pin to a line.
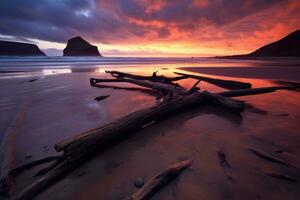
pixel 63 105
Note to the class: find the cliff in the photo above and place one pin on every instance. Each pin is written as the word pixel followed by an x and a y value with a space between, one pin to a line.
pixel 289 46
pixel 19 49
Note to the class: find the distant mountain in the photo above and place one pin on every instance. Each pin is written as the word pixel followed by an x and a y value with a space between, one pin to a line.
pixel 288 46
pixel 79 47
pixel 19 49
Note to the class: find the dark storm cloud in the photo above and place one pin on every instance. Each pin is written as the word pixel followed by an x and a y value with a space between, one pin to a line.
pixel 58 20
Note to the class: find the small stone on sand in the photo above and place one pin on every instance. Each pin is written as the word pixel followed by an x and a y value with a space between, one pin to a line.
pixel 139 182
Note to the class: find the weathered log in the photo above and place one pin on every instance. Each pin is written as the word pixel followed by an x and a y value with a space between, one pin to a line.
pixel 227 84
pixel 144 83
pixel 134 121
pixel 296 85
pixel 79 148
pixel 153 78
pixel 29 165
pixel 160 180
pixel 253 91
pixel 36 187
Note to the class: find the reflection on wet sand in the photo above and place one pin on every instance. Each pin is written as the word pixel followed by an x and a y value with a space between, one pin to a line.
pixel 200 134
pixel 56 71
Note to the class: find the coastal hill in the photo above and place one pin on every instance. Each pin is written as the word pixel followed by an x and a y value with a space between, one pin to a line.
pixel 8 48
pixel 289 46
pixel 79 47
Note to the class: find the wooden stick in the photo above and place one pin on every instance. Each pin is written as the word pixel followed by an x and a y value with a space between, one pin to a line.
pixel 49 167
pixel 227 84
pixel 160 180
pixel 194 87
pixel 36 187
pixel 29 165
pixel 254 91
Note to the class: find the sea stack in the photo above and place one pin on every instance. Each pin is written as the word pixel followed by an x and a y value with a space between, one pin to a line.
pixel 79 47
pixel 8 48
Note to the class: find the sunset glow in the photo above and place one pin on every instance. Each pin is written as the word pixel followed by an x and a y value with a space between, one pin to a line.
pixel 156 28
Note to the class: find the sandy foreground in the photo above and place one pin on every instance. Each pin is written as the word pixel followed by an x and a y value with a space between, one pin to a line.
pixel 59 106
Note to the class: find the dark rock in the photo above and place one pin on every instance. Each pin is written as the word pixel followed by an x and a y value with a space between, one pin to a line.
pixel 79 47
pixel 32 80
pixel 139 182
pixel 288 46
pixel 19 49
pixel 100 98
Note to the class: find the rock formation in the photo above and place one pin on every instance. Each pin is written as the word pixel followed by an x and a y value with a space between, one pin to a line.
pixel 79 47
pixel 288 46
pixel 19 49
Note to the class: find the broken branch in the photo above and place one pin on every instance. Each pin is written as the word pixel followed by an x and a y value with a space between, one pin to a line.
pixel 153 78
pixel 160 180
pixel 253 91
pixel 29 165
pixel 227 84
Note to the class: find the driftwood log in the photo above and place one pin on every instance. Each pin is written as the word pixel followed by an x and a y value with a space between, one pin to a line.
pixel 78 149
pixel 164 88
pixel 160 180
pixel 227 84
pixel 254 91
pixel 111 132
pixel 153 78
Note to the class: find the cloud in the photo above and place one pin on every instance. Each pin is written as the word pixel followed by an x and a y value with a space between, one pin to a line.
pixel 203 22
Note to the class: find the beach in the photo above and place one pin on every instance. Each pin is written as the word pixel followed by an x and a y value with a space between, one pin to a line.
pixel 56 101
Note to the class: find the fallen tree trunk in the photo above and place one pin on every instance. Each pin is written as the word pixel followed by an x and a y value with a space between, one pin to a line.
pixel 160 180
pixel 153 78
pixel 142 117
pixel 107 134
pixel 227 84
pixel 148 84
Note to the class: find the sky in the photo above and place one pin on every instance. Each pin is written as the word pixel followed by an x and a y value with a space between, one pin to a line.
pixel 156 28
